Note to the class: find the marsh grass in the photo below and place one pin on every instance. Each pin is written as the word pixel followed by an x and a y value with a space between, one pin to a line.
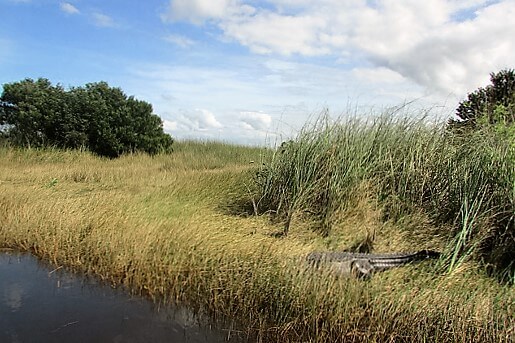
pixel 158 226
pixel 464 185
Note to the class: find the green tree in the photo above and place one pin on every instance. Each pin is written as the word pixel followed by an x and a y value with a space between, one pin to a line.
pixel 38 114
pixel 492 105
pixel 95 116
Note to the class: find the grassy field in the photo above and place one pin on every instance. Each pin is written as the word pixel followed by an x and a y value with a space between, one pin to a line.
pixel 178 228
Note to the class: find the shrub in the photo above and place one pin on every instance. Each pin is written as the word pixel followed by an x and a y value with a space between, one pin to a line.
pixel 98 117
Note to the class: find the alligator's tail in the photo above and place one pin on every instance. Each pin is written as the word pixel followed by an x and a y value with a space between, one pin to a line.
pixel 395 260
pixel 429 254
pixel 392 258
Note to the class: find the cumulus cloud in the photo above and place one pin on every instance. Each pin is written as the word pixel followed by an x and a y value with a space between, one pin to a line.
pixel 436 52
pixel 270 32
pixel 200 119
pixel 447 46
pixel 281 89
pixel 68 8
pixel 256 120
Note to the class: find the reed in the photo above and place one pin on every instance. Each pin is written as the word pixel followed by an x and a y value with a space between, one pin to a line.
pixel 464 185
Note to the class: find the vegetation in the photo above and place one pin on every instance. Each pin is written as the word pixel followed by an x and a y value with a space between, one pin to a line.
pixel 492 105
pixel 464 187
pixel 95 117
pixel 164 227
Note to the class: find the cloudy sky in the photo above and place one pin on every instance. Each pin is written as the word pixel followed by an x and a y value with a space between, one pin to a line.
pixel 252 71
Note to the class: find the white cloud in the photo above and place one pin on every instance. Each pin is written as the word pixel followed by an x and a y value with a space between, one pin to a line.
pixel 169 125
pixel 68 8
pixel 197 10
pixel 103 20
pixel 270 32
pixel 179 40
pixel 378 75
pixel 442 55
pixel 260 98
pixel 256 120
pixel 200 119
pixel 447 46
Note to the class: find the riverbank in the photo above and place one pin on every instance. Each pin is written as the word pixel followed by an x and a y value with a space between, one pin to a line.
pixel 168 227
pixel 45 304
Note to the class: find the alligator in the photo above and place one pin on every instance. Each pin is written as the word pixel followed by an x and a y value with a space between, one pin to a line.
pixel 364 265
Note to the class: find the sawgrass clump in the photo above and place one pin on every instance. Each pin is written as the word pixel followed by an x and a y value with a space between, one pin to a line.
pixel 465 185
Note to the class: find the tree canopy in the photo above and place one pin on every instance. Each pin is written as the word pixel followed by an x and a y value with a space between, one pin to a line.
pixel 491 105
pixel 97 117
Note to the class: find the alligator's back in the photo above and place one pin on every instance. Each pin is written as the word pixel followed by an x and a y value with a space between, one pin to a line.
pixel 365 264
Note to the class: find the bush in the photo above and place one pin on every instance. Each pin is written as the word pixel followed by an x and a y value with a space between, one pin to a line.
pixel 97 117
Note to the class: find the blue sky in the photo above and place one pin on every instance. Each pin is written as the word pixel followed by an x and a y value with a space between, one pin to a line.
pixel 255 71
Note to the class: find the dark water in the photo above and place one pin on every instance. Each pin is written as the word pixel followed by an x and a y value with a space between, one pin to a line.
pixel 41 305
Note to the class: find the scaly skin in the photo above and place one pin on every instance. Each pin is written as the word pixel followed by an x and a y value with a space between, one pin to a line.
pixel 363 265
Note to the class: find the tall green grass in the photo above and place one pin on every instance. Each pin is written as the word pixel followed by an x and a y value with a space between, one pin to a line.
pixel 466 185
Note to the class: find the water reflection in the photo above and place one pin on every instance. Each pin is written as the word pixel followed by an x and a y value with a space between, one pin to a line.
pixel 41 305
pixel 13 294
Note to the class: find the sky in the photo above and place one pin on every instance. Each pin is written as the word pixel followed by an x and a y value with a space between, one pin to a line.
pixel 254 72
